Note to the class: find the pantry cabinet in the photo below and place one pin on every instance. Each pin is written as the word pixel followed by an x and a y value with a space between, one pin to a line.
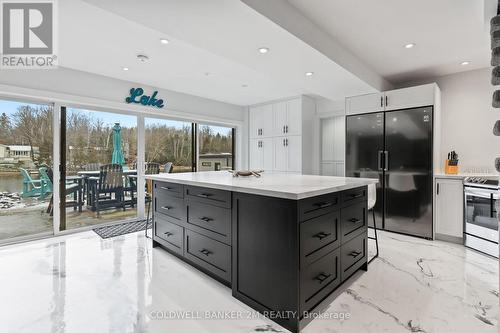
pixel 289 123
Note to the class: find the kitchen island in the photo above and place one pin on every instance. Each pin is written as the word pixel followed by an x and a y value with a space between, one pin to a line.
pixel 282 242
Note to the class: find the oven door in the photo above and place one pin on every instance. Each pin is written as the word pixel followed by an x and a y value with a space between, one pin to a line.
pixel 480 213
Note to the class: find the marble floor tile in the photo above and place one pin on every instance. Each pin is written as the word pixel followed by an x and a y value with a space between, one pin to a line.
pixel 81 283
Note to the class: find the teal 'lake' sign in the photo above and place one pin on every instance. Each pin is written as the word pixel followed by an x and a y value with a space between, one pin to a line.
pixel 137 96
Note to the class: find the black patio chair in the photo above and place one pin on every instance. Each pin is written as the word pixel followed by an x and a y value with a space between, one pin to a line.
pixel 73 186
pixel 107 189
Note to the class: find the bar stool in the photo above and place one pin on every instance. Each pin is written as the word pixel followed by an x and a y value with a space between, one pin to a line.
pixel 372 199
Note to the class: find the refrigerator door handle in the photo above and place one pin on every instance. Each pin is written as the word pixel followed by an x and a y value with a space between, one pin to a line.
pixel 380 152
pixel 386 160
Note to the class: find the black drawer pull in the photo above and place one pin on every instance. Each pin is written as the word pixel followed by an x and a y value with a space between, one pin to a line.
pixel 168 234
pixel 354 254
pixel 166 207
pixel 165 188
pixel 322 277
pixel 321 235
pixel 203 195
pixel 356 195
pixel 206 219
pixel 354 220
pixel 323 204
pixel 205 252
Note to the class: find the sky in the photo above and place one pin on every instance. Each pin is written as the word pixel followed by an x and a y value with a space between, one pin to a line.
pixel 9 108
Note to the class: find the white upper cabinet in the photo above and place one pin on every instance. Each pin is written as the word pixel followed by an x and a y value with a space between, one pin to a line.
pixel 405 98
pixel 365 103
pixel 409 97
pixel 294 117
pixel 261 121
pixel 279 118
pixel 287 117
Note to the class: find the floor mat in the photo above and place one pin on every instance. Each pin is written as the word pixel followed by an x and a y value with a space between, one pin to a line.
pixel 120 229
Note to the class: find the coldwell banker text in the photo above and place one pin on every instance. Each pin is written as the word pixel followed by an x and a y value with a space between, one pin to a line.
pixel 27 35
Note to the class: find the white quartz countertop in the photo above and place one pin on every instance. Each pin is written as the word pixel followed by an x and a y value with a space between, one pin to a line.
pixel 278 185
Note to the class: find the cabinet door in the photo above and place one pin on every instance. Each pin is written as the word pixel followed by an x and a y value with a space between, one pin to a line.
pixel 255 117
pixel 409 97
pixel 294 153
pixel 267 120
pixel 279 118
pixel 449 207
pixel 256 156
pixel 365 103
pixel 267 154
pixel 294 117
pixel 280 154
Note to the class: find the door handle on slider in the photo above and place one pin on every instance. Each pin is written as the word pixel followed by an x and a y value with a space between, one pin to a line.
pixel 386 161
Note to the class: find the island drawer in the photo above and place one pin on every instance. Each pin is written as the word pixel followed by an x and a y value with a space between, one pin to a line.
pixel 319 279
pixel 319 236
pixel 353 255
pixel 170 206
pixel 210 196
pixel 353 221
pixel 169 233
pixel 209 254
pixel 316 206
pixel 354 195
pixel 209 220
pixel 175 190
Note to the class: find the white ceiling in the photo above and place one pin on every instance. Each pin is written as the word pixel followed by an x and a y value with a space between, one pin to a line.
pixel 213 44
pixel 446 33
pixel 219 37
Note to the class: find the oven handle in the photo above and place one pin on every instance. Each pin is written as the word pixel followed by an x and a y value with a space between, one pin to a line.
pixel 482 193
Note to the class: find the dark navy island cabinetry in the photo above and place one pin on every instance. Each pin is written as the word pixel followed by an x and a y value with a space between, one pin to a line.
pixel 280 256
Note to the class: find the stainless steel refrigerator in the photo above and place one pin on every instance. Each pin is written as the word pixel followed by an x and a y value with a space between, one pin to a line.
pixel 396 148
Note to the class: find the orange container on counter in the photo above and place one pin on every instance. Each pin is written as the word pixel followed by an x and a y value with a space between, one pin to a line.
pixel 450 169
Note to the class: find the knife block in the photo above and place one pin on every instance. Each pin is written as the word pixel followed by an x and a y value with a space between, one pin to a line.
pixel 450 169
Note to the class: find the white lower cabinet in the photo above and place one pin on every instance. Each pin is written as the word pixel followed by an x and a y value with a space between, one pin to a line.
pixel 449 208
pixel 288 153
pixel 261 154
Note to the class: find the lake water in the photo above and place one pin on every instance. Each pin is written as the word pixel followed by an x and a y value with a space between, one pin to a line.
pixel 11 183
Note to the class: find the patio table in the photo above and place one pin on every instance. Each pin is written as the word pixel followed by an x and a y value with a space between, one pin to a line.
pixel 94 175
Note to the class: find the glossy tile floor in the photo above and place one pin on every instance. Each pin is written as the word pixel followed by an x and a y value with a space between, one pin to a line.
pixel 80 283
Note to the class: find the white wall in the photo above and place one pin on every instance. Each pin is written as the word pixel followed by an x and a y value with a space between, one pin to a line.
pixel 82 89
pixel 467 118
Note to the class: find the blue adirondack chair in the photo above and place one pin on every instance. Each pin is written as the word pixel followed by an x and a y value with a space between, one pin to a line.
pixel 44 176
pixel 32 187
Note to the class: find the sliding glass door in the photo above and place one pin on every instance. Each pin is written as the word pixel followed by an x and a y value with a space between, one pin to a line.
pixel 99 179
pixel 26 146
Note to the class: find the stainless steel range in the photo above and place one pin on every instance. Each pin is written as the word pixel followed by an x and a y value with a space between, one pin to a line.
pixel 481 223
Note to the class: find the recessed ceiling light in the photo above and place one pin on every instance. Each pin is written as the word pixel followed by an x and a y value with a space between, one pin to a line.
pixel 142 57
pixel 164 41
pixel 263 50
pixel 309 73
pixel 125 68
pixel 410 45
pixel 465 63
